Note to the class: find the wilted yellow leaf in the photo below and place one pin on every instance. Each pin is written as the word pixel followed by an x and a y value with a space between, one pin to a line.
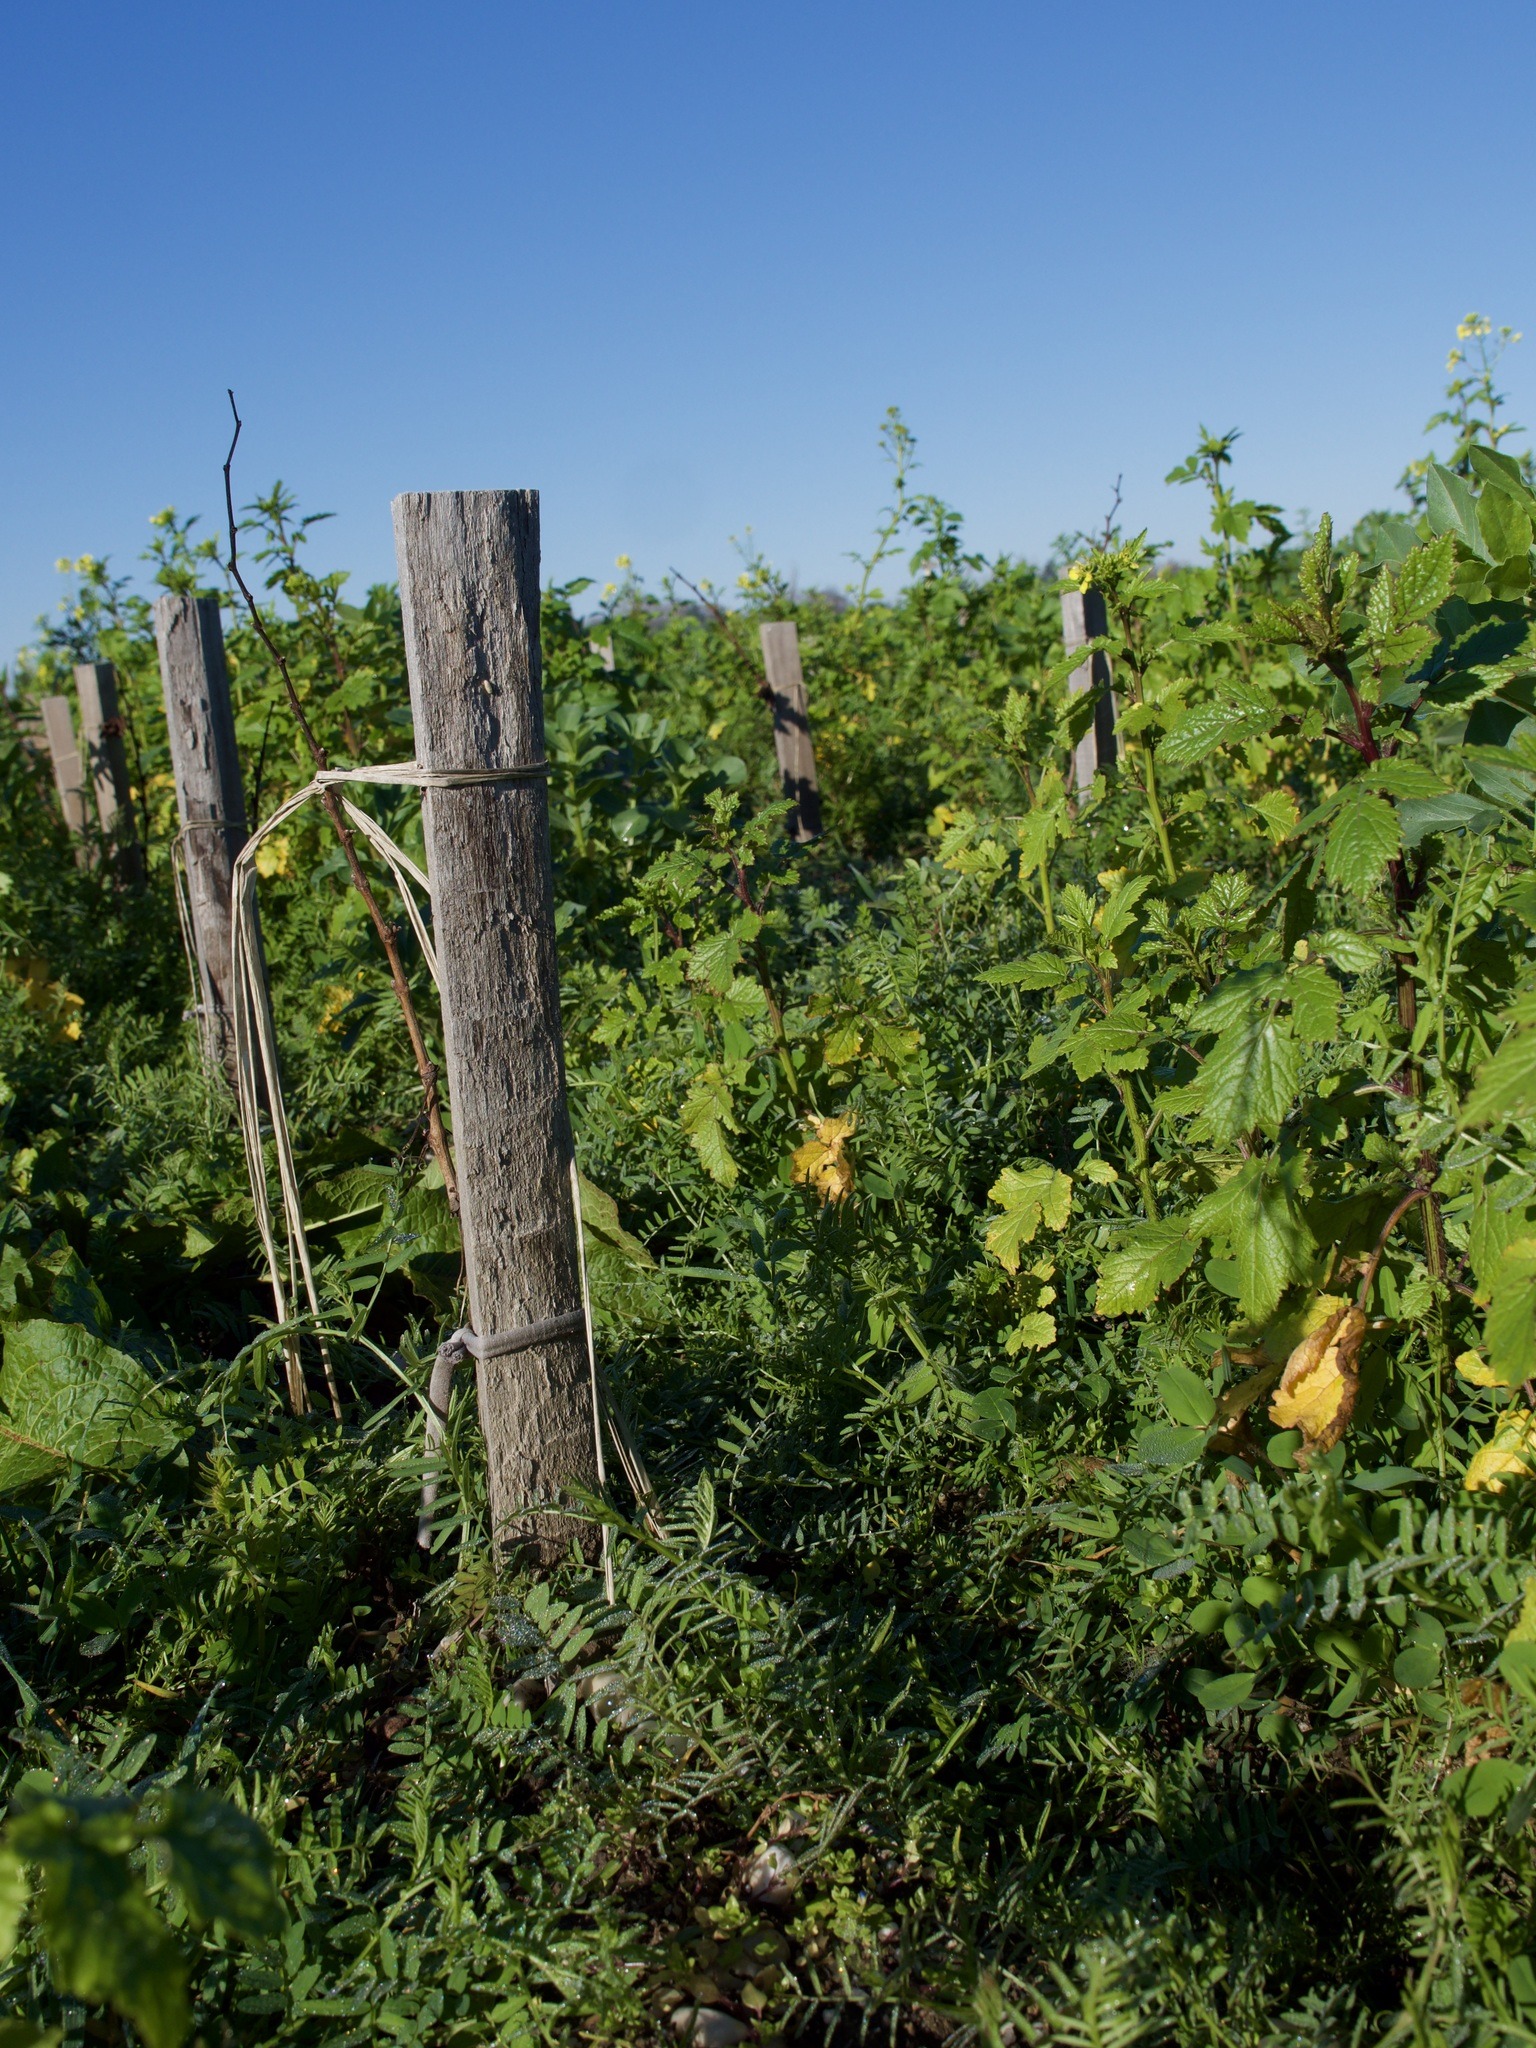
pixel 273 856
pixel 50 1000
pixel 1318 1387
pixel 1510 1453
pixel 1474 1367
pixel 820 1162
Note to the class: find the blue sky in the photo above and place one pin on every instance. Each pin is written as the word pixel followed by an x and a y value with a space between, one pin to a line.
pixel 671 263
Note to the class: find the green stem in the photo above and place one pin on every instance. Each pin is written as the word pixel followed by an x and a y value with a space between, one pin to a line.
pixel 1139 1144
pixel 1155 809
pixel 1045 897
pixel 1450 948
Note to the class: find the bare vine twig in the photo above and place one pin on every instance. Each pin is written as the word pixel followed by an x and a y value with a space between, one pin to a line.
pixel 437 1137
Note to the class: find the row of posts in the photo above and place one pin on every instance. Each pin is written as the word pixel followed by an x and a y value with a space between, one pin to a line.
pixel 205 763
pixel 469 584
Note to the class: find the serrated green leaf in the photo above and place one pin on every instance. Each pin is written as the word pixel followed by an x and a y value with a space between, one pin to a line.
pixel 1256 1216
pixel 1249 1078
pixel 1315 999
pixel 68 1398
pixel 1364 836
pixel 1205 727
pixel 1237 996
pixel 1504 1090
pixel 1399 777
pixel 1041 970
pixel 1424 581
pixel 1152 1258
pixel 1112 1044
pixel 1030 1195
pixel 712 963
pixel 1033 1332
pixel 219 1858
pixel 1510 1331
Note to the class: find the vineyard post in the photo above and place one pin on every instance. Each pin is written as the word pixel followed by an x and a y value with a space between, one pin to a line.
pixel 101 731
pixel 792 727
pixel 1083 619
pixel 469 588
pixel 209 798
pixel 68 768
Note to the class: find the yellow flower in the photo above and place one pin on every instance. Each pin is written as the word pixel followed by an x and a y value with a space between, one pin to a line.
pixel 1506 1455
pixel 1080 575
pixel 819 1162
pixel 621 561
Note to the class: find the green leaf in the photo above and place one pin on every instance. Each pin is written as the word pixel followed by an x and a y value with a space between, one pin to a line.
pixel 1204 727
pixel 1174 1446
pixel 1314 1004
pixel 1030 1195
pixel 1041 970
pixel 1033 1332
pixel 712 963
pixel 1238 996
pixel 1112 1044
pixel 1452 508
pixel 1416 1667
pixel 1257 1216
pixel 1505 1088
pixel 1451 811
pixel 1186 1396
pixel 1487 1785
pixel 1504 526
pixel 1152 1258
pixel 707 1115
pixel 68 1398
pixel 1363 837
pixel 1219 1693
pixel 1399 777
pixel 1424 581
pixel 1249 1078
pixel 13 1900
pixel 104 1939
pixel 1510 1330
pixel 220 1859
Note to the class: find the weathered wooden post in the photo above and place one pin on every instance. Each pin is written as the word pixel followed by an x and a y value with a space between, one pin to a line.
pixel 68 768
pixel 469 589
pixel 1083 619
pixel 792 727
pixel 101 733
pixel 206 764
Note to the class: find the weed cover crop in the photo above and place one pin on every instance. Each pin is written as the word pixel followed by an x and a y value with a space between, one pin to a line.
pixel 1064 1255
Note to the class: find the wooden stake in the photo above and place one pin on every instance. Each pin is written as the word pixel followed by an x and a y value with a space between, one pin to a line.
pixel 68 768
pixel 469 589
pixel 792 727
pixel 1083 619
pixel 101 732
pixel 206 764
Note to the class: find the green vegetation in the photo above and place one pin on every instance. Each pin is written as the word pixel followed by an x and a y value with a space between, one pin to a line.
pixel 1069 1265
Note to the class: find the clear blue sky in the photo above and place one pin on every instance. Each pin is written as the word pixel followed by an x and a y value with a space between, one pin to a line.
pixel 671 262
